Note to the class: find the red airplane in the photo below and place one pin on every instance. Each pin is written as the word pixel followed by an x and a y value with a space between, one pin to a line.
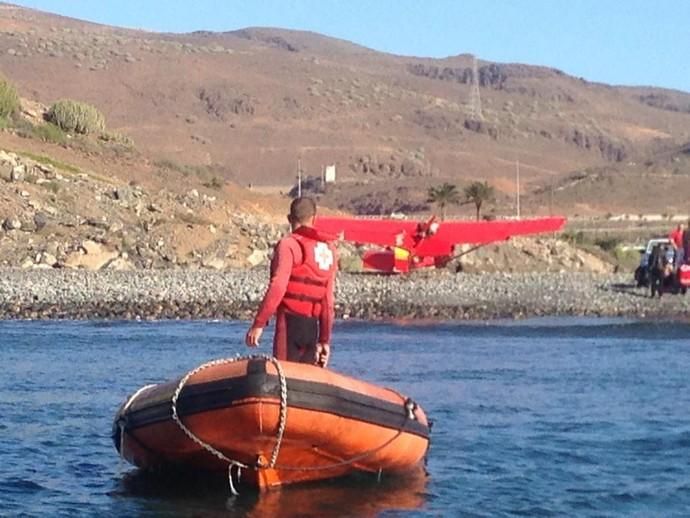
pixel 411 244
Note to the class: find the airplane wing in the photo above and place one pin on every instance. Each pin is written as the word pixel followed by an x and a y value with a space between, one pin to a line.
pixel 386 232
pixel 382 232
pixel 481 232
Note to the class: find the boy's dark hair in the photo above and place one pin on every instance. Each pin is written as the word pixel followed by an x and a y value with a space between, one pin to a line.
pixel 302 210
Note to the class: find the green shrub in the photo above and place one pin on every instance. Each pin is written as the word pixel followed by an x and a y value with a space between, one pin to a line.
pixel 22 127
pixel 577 238
pixel 171 165
pixel 215 183
pixel 49 133
pixel 607 243
pixel 52 186
pixel 117 138
pixel 9 99
pixel 76 116
pixel 44 132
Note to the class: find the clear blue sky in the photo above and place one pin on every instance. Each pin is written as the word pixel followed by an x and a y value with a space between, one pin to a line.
pixel 632 42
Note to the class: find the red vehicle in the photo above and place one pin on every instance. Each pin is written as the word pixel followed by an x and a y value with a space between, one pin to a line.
pixel 684 277
pixel 411 244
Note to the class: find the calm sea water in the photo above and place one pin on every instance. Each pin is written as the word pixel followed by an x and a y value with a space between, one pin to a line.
pixel 535 418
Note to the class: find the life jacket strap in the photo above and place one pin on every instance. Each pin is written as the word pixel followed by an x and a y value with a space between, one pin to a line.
pixel 302 297
pixel 307 280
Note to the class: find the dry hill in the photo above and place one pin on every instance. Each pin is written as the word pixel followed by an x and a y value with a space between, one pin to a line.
pixel 246 104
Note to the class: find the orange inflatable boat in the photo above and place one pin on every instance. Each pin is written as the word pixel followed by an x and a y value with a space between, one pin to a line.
pixel 270 423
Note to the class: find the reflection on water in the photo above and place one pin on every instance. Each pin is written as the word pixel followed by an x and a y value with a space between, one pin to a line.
pixel 357 496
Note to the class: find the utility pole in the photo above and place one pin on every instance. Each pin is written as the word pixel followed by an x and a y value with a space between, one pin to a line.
pixel 475 99
pixel 299 177
pixel 517 186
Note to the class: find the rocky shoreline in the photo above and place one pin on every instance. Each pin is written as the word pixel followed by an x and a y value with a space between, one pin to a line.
pixel 234 294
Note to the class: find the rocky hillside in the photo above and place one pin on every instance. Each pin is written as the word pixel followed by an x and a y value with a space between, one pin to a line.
pixel 248 103
pixel 54 215
pixel 534 254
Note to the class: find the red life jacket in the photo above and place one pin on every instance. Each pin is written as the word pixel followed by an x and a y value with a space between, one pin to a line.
pixel 306 287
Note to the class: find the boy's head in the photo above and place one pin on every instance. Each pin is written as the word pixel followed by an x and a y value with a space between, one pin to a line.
pixel 302 212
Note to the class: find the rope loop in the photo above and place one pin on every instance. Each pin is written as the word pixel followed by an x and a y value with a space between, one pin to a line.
pixel 215 452
pixel 409 405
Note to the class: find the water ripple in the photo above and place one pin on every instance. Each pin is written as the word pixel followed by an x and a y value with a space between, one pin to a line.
pixel 557 417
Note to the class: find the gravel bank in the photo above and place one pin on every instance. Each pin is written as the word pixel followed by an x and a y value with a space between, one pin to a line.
pixel 189 294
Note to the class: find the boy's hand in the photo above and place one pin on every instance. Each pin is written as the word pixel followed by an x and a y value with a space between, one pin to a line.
pixel 253 335
pixel 323 353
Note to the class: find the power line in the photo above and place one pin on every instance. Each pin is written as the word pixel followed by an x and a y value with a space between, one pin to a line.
pixel 475 99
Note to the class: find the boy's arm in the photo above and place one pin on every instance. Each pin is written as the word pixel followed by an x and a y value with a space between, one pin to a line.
pixel 281 267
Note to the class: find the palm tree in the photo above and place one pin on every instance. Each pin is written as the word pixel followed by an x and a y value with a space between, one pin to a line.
pixel 478 193
pixel 442 196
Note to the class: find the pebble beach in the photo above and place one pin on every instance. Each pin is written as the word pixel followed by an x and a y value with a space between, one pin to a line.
pixel 234 294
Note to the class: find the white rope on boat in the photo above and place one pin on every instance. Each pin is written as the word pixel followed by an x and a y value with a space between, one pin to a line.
pixel 409 405
pixel 282 419
pixel 283 412
pixel 121 424
pixel 134 396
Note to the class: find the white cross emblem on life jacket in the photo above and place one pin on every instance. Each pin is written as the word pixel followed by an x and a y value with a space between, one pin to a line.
pixel 323 255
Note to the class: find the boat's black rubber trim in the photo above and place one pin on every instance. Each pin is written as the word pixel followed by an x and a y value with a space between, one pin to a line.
pixel 320 397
